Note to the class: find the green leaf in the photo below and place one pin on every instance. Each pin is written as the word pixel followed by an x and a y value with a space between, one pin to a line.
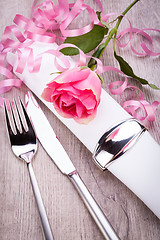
pixel 86 42
pixel 101 79
pixel 56 73
pixel 99 15
pixel 83 67
pixel 154 86
pixel 126 69
pixel 97 53
pixel 102 21
pixel 69 51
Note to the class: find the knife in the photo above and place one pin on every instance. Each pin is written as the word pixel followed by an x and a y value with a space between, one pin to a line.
pixel 55 150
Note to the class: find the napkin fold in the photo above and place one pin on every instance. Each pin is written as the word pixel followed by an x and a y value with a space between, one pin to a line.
pixel 139 167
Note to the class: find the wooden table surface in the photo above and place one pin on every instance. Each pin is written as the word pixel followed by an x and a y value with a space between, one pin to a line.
pixel 69 218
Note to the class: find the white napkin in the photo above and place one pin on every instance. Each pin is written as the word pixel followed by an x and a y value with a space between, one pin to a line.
pixel 138 168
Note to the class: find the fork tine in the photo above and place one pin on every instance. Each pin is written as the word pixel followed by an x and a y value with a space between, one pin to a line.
pixel 14 119
pixel 7 120
pixel 26 116
pixel 19 116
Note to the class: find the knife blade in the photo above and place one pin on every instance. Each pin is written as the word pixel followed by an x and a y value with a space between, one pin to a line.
pixel 46 135
pixel 55 150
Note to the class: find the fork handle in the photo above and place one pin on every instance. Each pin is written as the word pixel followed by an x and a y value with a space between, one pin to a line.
pixel 42 212
pixel 97 214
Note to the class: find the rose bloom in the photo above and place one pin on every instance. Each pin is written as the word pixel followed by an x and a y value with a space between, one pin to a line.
pixel 75 94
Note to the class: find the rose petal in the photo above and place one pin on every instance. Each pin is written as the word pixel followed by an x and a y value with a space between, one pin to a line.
pixel 80 109
pixel 86 119
pixel 88 101
pixel 72 75
pixel 46 94
pixel 67 88
pixel 92 82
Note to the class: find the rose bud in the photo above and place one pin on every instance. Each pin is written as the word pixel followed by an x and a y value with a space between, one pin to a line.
pixel 75 93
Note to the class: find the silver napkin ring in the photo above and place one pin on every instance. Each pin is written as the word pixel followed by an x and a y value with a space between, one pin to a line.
pixel 116 141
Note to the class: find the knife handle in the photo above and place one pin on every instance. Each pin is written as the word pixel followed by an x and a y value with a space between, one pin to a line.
pixel 97 214
pixel 47 232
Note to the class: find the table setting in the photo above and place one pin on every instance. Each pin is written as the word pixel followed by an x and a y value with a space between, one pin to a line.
pixel 84 75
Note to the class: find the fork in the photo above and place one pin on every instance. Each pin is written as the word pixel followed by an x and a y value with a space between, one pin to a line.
pixel 24 146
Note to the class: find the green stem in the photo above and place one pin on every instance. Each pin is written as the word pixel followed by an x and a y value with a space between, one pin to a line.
pixel 113 31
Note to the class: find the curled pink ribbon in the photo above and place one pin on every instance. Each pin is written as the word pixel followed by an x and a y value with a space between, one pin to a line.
pixel 134 106
pixel 24 40
pixel 52 17
pixel 133 33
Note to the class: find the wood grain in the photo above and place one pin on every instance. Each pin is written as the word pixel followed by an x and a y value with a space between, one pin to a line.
pixel 67 214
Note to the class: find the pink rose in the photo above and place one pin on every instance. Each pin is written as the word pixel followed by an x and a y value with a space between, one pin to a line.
pixel 75 94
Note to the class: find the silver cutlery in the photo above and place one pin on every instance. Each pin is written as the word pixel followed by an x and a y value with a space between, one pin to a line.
pixel 55 150
pixel 24 146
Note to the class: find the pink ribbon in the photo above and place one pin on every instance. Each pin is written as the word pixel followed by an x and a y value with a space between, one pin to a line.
pixel 133 33
pixel 134 106
pixel 50 17
pixel 47 16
